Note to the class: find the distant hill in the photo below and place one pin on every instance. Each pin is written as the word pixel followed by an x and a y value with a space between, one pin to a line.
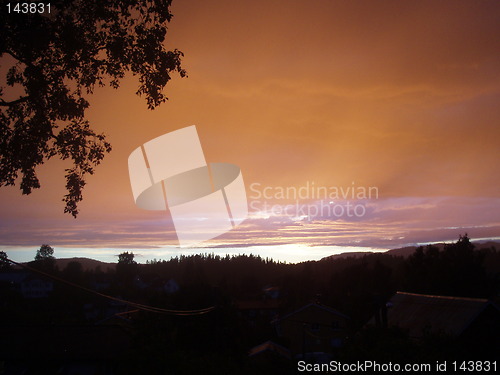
pixel 87 264
pixel 409 250
pixel 403 251
pixel 406 251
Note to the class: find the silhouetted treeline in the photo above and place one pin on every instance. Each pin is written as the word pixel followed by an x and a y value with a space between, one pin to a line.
pixel 353 285
pixel 356 286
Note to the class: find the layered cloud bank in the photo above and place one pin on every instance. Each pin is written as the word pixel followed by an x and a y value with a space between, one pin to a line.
pixel 398 96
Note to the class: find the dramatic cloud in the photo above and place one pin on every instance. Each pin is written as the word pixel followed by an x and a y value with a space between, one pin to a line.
pixel 402 96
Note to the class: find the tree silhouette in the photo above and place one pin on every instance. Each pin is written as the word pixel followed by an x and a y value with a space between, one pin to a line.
pixel 126 267
pixel 44 252
pixel 126 258
pixel 4 261
pixel 58 58
pixel 457 270
pixel 44 258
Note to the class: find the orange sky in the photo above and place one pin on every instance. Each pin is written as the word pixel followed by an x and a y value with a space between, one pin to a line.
pixel 398 95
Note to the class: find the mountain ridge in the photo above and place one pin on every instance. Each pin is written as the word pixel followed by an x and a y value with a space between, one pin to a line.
pixel 406 251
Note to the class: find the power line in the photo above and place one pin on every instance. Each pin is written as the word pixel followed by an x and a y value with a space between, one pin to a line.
pixel 129 303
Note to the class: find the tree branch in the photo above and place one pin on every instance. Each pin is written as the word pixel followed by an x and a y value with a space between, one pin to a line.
pixel 14 55
pixel 3 103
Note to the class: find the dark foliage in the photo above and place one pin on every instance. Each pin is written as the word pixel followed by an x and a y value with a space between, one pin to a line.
pixel 55 61
pixel 44 259
pixel 4 263
pixel 458 270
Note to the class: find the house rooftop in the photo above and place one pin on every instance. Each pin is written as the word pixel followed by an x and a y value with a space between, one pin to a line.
pixel 418 313
pixel 270 346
